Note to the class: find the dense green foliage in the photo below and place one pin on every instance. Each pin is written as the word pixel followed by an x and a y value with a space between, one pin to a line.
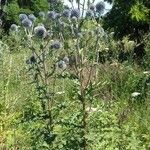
pixel 96 100
pixel 130 17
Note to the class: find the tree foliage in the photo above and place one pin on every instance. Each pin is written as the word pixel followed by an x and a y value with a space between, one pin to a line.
pixel 128 17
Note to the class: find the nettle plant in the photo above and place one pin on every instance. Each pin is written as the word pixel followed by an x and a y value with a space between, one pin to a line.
pixel 64 47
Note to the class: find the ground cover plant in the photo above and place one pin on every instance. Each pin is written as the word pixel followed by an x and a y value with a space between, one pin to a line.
pixel 68 84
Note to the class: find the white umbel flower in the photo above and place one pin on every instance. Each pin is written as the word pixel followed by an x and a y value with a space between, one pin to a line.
pixel 135 94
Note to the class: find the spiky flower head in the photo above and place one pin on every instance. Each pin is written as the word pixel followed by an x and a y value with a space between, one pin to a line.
pixel 90 14
pixel 51 14
pixel 62 65
pixel 42 14
pixel 14 27
pixel 75 13
pixel 100 7
pixel 40 31
pixel 32 17
pixel 22 17
pixel 66 13
pixel 66 60
pixel 26 23
pixel 92 7
pixel 55 45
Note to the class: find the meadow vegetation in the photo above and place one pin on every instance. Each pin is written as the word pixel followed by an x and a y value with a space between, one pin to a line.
pixel 73 81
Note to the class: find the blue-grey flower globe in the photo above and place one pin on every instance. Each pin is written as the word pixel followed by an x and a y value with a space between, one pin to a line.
pixel 75 13
pixel 66 60
pixel 40 31
pixel 62 64
pixel 22 17
pixel 42 14
pixel 92 7
pixel 55 45
pixel 51 14
pixel 32 17
pixel 89 14
pixel 26 23
pixel 14 27
pixel 100 7
pixel 66 13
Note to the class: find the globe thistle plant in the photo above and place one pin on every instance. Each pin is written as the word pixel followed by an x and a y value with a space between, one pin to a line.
pixel 22 17
pixel 51 14
pixel 14 27
pixel 100 7
pixel 55 45
pixel 92 7
pixel 66 60
pixel 75 13
pixel 27 23
pixel 40 31
pixel 32 17
pixel 66 13
pixel 89 14
pixel 42 14
pixel 61 64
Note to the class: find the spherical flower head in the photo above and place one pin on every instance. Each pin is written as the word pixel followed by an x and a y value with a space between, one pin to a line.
pixel 51 14
pixel 22 17
pixel 89 14
pixel 75 13
pixel 55 45
pixel 66 60
pixel 14 27
pixel 26 23
pixel 42 14
pixel 40 31
pixel 100 7
pixel 62 65
pixel 66 13
pixel 32 17
pixel 74 19
pixel 92 7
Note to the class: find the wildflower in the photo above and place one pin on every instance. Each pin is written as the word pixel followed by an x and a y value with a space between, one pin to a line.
pixel 32 17
pixel 135 94
pixel 62 65
pixel 14 27
pixel 66 13
pixel 26 23
pixel 42 14
pixel 22 17
pixel 66 60
pixel 89 13
pixel 100 6
pixel 40 31
pixel 146 72
pixel 92 7
pixel 75 13
pixel 51 14
pixel 55 45
pixel 74 19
